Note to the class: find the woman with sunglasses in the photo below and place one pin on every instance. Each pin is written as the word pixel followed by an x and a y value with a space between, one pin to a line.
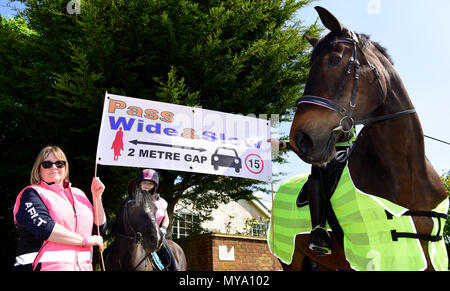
pixel 56 221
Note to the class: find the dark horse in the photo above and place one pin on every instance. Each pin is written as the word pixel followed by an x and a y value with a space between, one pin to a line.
pixel 388 157
pixel 137 236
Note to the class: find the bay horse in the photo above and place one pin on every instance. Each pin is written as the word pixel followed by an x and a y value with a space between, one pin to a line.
pixel 388 158
pixel 137 236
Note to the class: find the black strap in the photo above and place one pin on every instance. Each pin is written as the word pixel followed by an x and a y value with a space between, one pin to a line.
pixel 332 176
pixel 396 235
pixel 419 213
pixel 368 121
pixel 426 214
pixel 302 198
pixel 323 102
pixel 434 238
pixel 384 117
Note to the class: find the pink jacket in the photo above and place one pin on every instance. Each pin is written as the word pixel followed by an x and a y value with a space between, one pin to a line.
pixel 69 207
pixel 161 204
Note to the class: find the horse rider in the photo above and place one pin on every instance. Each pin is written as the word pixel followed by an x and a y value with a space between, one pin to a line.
pixel 148 180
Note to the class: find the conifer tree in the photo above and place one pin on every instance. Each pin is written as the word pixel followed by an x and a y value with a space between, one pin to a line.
pixel 235 56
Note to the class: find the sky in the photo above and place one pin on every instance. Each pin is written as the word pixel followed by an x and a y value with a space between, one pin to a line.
pixel 6 8
pixel 415 33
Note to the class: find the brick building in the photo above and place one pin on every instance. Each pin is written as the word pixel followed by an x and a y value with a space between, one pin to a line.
pixel 235 238
pixel 228 252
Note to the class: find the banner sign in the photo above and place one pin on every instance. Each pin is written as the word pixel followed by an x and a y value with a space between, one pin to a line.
pixel 149 134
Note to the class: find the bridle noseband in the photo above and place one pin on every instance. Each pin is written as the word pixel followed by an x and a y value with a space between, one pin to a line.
pixel 347 114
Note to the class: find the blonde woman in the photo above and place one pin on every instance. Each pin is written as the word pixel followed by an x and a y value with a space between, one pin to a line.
pixel 55 220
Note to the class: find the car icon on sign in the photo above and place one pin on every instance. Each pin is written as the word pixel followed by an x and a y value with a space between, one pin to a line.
pixel 226 157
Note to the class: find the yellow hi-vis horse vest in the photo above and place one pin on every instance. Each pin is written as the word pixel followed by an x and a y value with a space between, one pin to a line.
pixel 368 240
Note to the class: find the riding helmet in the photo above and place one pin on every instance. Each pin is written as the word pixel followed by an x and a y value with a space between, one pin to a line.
pixel 148 175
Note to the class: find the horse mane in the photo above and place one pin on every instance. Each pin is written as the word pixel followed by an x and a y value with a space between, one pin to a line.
pixel 143 197
pixel 135 193
pixel 326 43
pixel 364 38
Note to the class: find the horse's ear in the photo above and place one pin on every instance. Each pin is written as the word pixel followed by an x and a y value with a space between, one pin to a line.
pixel 329 20
pixel 132 188
pixel 312 40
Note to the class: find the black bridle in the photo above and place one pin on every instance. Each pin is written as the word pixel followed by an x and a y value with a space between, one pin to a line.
pixel 347 114
pixel 136 236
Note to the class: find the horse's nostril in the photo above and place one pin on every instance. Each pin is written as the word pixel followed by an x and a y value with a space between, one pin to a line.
pixel 303 142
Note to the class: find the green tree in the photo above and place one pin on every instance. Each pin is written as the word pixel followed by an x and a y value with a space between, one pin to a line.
pixel 236 56
pixel 446 180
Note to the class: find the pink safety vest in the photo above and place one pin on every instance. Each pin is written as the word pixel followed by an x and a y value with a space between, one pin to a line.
pixel 161 204
pixel 69 207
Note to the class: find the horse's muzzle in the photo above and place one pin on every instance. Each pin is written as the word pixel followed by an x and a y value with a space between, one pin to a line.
pixel 304 143
pixel 315 150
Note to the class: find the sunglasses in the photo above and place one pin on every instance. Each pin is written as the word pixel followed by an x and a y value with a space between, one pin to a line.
pixel 58 164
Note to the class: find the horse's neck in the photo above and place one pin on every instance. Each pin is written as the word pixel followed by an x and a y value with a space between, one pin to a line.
pixel 138 259
pixel 389 161
pixel 132 256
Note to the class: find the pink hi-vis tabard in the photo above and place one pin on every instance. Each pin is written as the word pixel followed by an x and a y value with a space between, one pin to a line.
pixel 69 207
pixel 161 204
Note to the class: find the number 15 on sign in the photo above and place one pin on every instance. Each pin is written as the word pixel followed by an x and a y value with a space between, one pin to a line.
pixel 254 163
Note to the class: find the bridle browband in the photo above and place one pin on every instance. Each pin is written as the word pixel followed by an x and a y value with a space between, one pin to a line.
pixel 347 114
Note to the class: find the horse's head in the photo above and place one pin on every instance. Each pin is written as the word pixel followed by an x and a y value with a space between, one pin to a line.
pixel 346 83
pixel 139 219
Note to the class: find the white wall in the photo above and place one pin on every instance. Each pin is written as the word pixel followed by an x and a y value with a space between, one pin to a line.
pixel 233 214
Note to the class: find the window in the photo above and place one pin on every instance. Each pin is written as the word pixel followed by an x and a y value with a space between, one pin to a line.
pixel 256 226
pixel 185 224
pixel 259 229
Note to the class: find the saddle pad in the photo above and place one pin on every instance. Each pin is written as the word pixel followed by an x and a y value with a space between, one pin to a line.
pixel 367 228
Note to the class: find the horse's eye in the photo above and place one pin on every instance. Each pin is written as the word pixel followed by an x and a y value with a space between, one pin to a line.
pixel 333 61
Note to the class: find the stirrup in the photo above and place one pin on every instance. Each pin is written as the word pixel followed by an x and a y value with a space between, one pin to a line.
pixel 320 241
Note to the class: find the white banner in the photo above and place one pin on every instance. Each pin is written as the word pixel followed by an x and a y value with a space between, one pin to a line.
pixel 149 134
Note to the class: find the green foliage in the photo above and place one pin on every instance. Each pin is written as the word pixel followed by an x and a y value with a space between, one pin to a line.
pixel 174 90
pixel 239 56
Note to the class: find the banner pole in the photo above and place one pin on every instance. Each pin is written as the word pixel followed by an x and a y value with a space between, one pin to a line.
pixel 97 158
pixel 96 219
pixel 272 219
